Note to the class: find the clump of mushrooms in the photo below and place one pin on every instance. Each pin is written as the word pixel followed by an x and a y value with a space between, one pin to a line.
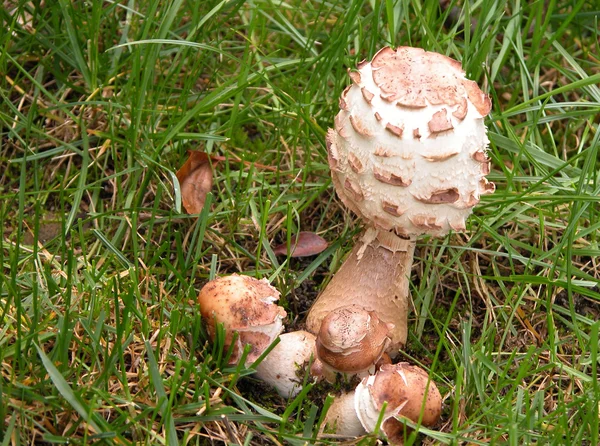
pixel 408 156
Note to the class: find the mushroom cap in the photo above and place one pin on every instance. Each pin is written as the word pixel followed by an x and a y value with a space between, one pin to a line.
pixel 280 367
pixel 408 152
pixel 403 387
pixel 352 339
pixel 244 305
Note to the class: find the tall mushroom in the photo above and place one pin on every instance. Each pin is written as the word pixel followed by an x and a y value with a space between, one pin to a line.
pixel 408 156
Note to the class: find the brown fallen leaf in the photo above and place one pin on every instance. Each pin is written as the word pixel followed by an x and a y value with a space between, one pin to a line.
pixel 303 245
pixel 196 179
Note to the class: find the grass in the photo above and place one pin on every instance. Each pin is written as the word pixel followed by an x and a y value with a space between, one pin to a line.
pixel 100 336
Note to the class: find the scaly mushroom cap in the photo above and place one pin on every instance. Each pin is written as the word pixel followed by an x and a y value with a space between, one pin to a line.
pixel 244 305
pixel 281 366
pixel 403 387
pixel 408 152
pixel 352 339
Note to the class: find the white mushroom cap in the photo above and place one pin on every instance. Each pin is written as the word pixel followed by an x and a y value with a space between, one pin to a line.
pixel 408 392
pixel 282 365
pixel 352 339
pixel 244 305
pixel 408 152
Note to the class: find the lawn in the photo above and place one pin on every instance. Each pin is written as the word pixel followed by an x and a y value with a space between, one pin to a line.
pixel 101 338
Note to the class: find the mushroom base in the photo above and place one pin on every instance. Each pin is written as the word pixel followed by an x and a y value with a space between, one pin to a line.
pixel 341 417
pixel 376 276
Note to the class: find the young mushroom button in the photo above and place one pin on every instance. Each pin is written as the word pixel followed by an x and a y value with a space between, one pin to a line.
pixel 408 156
pixel 245 306
pixel 351 341
pixel 406 391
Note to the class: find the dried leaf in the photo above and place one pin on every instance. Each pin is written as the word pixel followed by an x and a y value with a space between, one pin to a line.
pixel 195 178
pixel 303 245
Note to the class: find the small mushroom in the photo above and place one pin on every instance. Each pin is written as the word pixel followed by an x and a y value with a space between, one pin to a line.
pixel 352 340
pixel 246 306
pixel 406 392
pixel 284 365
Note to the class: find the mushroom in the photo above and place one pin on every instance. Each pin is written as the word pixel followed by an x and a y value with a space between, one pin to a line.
pixel 408 156
pixel 406 392
pixel 246 306
pixel 281 367
pixel 351 340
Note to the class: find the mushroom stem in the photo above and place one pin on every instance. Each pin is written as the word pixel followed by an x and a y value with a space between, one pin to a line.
pixel 341 417
pixel 282 365
pixel 375 276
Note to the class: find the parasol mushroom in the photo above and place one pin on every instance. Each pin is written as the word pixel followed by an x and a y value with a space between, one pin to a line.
pixel 408 156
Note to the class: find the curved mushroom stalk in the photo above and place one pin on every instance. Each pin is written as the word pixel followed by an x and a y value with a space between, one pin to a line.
pixel 376 276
